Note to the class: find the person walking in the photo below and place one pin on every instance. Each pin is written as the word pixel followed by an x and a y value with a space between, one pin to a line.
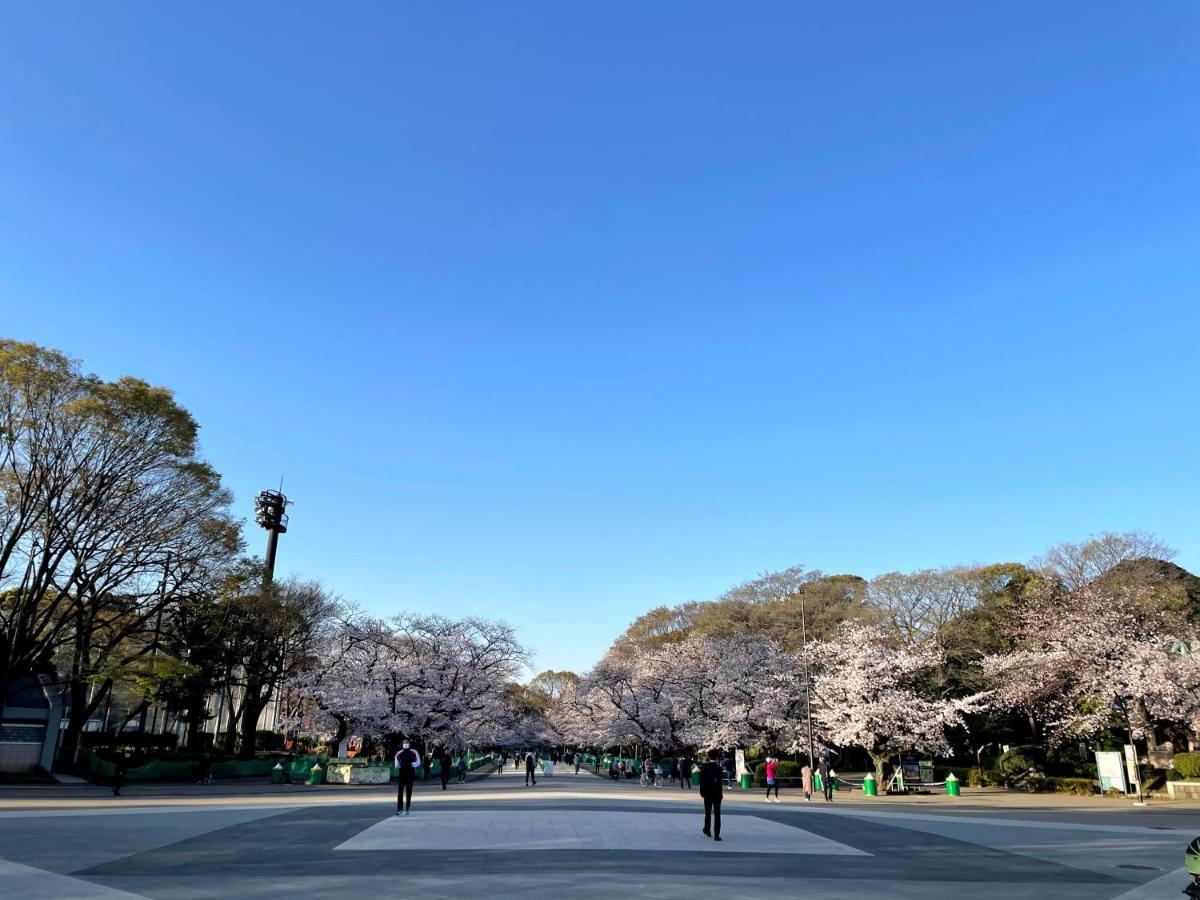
pixel 826 779
pixel 806 782
pixel 685 773
pixel 122 767
pixel 772 767
pixel 530 770
pixel 578 762
pixel 445 764
pixel 462 769
pixel 711 782
pixel 408 761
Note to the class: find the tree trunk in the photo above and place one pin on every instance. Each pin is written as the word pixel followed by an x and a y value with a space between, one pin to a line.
pixel 231 728
pixel 879 762
pixel 252 706
pixel 342 727
pixel 197 715
pixel 81 712
pixel 139 710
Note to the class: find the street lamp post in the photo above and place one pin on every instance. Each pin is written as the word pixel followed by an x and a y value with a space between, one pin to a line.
pixel 807 692
pixel 1137 775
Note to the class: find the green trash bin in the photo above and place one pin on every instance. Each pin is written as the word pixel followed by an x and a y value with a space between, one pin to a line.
pixel 277 774
pixel 695 776
pixel 818 785
pixel 870 788
pixel 316 775
pixel 952 785
pixel 746 779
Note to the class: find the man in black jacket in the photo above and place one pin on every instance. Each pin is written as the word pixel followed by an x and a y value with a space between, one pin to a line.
pixel 446 763
pixel 408 761
pixel 530 769
pixel 711 779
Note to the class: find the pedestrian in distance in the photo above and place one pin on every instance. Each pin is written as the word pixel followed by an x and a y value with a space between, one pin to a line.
pixel 206 776
pixel 408 761
pixel 826 780
pixel 772 767
pixel 530 770
pixel 462 769
pixel 578 762
pixel 122 765
pixel 445 764
pixel 685 773
pixel 806 782
pixel 712 779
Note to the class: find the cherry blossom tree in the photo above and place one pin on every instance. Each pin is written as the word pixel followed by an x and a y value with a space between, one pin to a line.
pixel 428 678
pixel 1085 655
pixel 867 694
pixel 703 692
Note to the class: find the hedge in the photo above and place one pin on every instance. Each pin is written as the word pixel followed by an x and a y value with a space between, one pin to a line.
pixel 1083 787
pixel 1187 764
pixel 786 772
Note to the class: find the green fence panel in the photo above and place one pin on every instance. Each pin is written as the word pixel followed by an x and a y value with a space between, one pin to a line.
pixel 156 770
pixel 243 768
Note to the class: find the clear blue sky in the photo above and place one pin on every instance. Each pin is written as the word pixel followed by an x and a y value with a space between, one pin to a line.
pixel 555 312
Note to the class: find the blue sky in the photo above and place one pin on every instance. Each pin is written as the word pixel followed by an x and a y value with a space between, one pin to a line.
pixel 556 312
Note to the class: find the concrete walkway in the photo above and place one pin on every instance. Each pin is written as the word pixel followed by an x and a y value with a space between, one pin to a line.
pixel 579 836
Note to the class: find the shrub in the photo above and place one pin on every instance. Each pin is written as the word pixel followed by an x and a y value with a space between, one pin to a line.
pixel 968 776
pixel 786 773
pixel 269 740
pixel 1015 765
pixel 1187 764
pixel 1083 787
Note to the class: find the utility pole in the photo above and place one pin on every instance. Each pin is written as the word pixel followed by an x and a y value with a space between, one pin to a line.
pixel 807 693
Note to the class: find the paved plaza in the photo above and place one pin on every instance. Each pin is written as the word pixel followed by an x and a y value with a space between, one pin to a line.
pixel 578 836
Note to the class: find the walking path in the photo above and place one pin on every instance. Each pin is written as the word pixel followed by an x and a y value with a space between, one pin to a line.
pixel 579 835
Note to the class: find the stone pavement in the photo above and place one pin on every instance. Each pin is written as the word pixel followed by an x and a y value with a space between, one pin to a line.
pixel 578 836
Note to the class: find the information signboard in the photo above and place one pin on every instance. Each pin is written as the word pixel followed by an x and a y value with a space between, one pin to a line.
pixel 1111 771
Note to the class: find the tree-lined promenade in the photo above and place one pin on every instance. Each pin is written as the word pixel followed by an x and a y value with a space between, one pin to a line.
pixel 126 584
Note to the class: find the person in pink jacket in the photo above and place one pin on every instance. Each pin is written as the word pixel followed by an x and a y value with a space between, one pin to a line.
pixel 772 766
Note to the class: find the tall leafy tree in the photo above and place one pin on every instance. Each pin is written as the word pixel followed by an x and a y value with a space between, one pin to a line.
pixel 107 518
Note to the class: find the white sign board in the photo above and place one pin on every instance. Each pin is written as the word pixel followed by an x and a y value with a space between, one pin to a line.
pixel 1111 772
pixel 1131 765
pixel 739 759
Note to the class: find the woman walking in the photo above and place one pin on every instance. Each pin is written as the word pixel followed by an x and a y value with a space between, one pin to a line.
pixel 772 766
pixel 807 782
